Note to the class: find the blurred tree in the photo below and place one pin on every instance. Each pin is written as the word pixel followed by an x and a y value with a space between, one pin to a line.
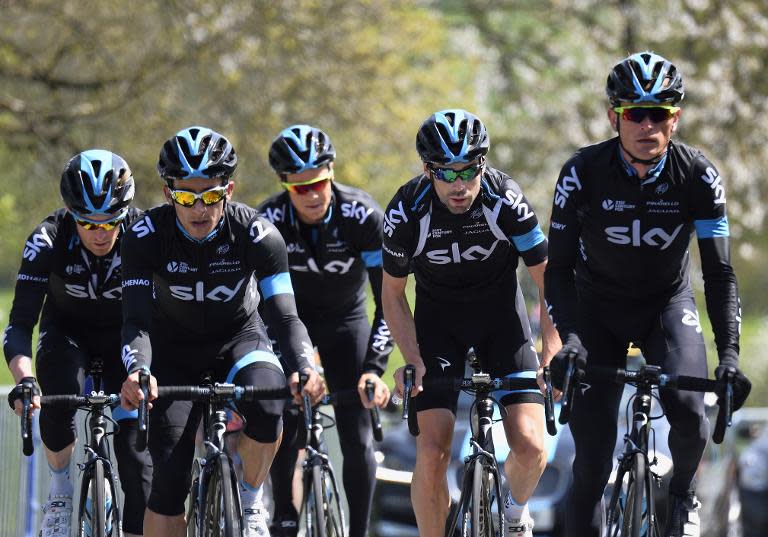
pixel 77 74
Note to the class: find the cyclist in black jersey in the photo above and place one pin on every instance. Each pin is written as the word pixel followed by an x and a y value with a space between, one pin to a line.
pixel 461 227
pixel 190 275
pixel 333 233
pixel 70 270
pixel 623 214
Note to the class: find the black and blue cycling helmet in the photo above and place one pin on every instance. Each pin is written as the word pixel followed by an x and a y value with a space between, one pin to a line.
pixel 645 77
pixel 97 182
pixel 451 136
pixel 197 152
pixel 299 148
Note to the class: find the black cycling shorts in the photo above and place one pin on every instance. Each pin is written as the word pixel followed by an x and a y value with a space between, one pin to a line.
pixel 245 359
pixel 497 329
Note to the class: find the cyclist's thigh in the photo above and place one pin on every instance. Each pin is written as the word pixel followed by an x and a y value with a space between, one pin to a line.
pixel 676 344
pixel 249 360
pixel 342 343
pixel 174 424
pixel 442 353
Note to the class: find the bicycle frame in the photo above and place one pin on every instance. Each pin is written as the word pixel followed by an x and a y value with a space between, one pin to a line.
pixel 636 442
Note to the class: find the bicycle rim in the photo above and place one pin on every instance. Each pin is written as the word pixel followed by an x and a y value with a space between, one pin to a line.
pixel 482 525
pixel 221 518
pixel 335 525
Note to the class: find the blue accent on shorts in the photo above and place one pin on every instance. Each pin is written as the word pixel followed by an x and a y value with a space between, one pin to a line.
pixel 252 358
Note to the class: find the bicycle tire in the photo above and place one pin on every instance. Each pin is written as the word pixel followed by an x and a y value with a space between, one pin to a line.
pixel 481 520
pixel 635 519
pixel 113 529
pixel 91 515
pixel 313 503
pixel 220 511
pixel 193 510
pixel 335 525
pixel 614 514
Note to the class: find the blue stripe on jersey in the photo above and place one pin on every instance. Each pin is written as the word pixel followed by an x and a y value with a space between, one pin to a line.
pixel 487 188
pixel 418 198
pixel 708 229
pixel 529 240
pixel 276 284
pixel 251 358
pixel 371 258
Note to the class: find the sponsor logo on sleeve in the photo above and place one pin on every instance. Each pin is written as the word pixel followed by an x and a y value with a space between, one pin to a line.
pixel 515 200
pixel 143 227
pixel 394 216
pixel 258 231
pixel 715 182
pixel 568 184
pixel 38 242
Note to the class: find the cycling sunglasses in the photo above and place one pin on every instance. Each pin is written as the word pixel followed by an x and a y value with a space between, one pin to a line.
pixel 312 185
pixel 186 198
pixel 91 225
pixel 637 114
pixel 448 175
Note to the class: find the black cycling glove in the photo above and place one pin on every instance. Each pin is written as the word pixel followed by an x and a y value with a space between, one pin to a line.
pixel 559 363
pixel 741 385
pixel 16 392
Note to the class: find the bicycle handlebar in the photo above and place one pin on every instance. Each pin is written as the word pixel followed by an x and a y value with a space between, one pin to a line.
pixel 653 376
pixel 476 382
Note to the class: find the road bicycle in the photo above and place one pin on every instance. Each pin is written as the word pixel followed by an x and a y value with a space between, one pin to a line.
pixel 481 495
pixel 631 510
pixel 98 514
pixel 214 497
pixel 321 513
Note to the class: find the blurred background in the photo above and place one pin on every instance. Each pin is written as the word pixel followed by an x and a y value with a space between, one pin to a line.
pixel 125 76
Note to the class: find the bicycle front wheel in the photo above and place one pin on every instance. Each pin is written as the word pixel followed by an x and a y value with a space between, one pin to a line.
pixel 313 504
pixel 221 512
pixel 335 525
pixel 481 518
pixel 92 508
pixel 636 513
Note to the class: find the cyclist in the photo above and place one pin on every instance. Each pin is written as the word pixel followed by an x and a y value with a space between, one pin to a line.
pixel 333 233
pixel 201 257
pixel 460 227
pixel 623 213
pixel 70 270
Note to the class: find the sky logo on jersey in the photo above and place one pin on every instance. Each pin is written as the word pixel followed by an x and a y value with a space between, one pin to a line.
pixel 33 246
pixel 334 267
pixel 715 182
pixel 636 237
pixel 455 255
pixel 143 227
pixel 515 200
pixel 568 184
pixel 220 293
pixel 82 291
pixel 128 356
pixel 275 214
pixel 353 210
pixel 393 217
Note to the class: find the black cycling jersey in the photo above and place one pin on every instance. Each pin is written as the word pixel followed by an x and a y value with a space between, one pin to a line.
pixel 192 290
pixel 77 290
pixel 616 236
pixel 462 257
pixel 329 261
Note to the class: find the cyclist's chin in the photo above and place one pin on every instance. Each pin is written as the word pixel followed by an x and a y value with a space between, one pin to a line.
pixel 199 230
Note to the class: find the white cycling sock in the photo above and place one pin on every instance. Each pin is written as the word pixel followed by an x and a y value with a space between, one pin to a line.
pixel 512 510
pixel 61 483
pixel 249 495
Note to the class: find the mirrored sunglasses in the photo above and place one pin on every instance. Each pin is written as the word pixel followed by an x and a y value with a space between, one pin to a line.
pixel 448 175
pixel 312 185
pixel 92 225
pixel 187 198
pixel 637 114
